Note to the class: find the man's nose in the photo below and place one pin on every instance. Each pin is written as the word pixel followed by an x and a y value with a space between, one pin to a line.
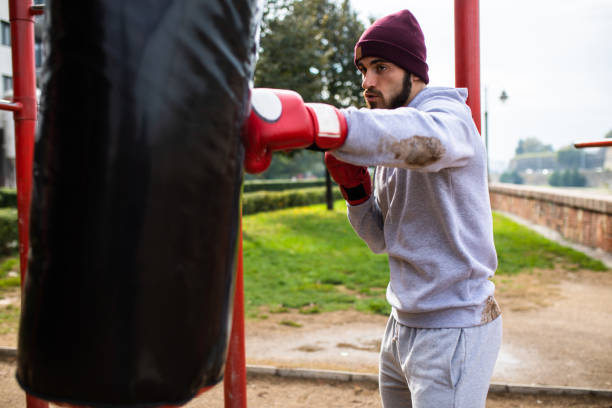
pixel 368 80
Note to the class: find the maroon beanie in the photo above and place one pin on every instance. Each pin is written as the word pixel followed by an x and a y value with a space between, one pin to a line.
pixel 398 39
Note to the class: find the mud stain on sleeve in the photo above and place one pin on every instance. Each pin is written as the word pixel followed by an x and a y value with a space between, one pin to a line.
pixel 418 151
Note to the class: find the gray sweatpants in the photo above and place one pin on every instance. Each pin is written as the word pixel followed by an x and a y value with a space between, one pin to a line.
pixel 441 368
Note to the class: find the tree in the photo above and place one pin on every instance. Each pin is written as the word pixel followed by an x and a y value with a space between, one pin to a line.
pixel 569 157
pixel 532 145
pixel 575 179
pixel 567 178
pixel 511 177
pixel 288 55
pixel 342 80
pixel 307 46
pixel 555 179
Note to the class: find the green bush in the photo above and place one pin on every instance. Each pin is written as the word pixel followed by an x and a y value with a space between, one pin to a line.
pixel 8 197
pixel 9 233
pixel 567 178
pixel 252 186
pixel 511 177
pixel 268 201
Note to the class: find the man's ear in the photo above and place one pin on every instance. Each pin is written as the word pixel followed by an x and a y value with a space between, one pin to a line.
pixel 415 79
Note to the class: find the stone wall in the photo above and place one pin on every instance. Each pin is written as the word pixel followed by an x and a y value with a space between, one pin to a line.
pixel 577 216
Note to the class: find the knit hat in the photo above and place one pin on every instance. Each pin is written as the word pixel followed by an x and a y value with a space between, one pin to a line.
pixel 398 39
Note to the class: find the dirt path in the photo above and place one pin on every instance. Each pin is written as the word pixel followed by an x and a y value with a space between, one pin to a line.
pixel 271 392
pixel 557 331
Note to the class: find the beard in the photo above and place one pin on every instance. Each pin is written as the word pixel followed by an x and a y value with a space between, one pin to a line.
pixel 395 101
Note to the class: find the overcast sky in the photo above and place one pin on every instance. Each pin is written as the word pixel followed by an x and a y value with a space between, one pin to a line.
pixel 552 57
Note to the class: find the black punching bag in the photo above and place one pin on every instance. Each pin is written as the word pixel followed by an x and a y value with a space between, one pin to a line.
pixel 136 197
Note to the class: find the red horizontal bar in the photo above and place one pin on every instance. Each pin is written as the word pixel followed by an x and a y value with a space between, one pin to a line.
pixel 10 106
pixel 595 143
pixel 37 9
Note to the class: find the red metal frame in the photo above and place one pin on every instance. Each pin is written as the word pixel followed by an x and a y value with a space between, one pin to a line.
pixel 235 372
pixel 467 53
pixel 595 143
pixel 24 106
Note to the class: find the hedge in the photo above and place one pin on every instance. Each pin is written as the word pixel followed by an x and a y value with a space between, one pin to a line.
pixel 253 202
pixel 8 197
pixel 268 201
pixel 9 233
pixel 251 186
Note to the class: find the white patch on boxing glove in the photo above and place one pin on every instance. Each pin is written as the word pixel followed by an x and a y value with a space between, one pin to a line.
pixel 266 104
pixel 329 124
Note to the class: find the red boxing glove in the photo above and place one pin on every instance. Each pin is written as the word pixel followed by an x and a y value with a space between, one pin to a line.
pixel 354 181
pixel 280 120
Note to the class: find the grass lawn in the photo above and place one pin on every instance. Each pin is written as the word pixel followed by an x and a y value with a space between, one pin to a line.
pixel 520 249
pixel 9 272
pixel 310 259
pixel 9 286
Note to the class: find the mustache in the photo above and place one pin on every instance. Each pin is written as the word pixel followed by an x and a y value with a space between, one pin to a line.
pixel 371 92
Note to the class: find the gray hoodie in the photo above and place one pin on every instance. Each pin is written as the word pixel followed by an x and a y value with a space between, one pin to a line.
pixel 430 210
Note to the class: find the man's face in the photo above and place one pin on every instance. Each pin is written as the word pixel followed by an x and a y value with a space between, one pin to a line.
pixel 386 85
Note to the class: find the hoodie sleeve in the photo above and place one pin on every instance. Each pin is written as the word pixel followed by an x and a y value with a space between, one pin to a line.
pixel 367 221
pixel 437 133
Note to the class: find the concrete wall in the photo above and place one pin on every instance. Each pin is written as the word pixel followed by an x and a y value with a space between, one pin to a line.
pixel 577 216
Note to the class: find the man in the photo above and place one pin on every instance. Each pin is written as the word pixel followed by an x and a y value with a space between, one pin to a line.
pixel 430 213
pixel 430 210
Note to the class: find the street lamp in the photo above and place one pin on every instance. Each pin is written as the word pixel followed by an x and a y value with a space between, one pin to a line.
pixel 503 97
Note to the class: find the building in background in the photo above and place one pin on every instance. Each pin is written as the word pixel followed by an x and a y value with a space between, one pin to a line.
pixel 7 127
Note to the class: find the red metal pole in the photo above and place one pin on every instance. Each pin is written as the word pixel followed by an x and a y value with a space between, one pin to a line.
pixel 25 108
pixel 235 370
pixel 33 402
pixel 467 53
pixel 595 143
pixel 10 106
pixel 24 93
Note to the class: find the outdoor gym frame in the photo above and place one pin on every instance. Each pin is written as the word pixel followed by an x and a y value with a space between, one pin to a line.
pixel 24 108
pixel 595 143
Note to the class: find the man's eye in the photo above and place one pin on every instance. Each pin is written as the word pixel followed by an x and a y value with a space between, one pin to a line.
pixel 381 68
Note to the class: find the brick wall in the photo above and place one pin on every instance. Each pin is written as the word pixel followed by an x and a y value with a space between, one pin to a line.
pixel 579 217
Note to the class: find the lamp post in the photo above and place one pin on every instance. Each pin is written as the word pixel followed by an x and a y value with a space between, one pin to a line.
pixel 502 97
